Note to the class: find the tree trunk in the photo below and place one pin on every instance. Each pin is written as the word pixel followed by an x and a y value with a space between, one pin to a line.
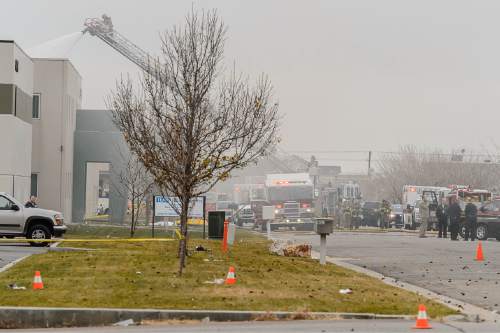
pixel 183 240
pixel 132 224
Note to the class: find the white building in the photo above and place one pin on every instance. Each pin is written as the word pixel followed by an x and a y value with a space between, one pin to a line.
pixel 39 99
pixel 38 103
pixel 56 97
pixel 16 89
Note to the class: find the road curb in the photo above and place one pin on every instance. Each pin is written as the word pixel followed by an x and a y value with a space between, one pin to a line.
pixel 472 312
pixel 34 317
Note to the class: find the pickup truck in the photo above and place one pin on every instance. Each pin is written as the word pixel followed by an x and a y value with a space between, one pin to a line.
pixel 32 223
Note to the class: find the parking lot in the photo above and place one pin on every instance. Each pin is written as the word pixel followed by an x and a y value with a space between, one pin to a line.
pixel 439 265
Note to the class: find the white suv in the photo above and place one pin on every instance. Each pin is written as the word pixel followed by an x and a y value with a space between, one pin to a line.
pixel 32 223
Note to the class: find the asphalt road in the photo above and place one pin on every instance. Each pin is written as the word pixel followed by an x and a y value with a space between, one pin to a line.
pixel 11 252
pixel 439 265
pixel 372 326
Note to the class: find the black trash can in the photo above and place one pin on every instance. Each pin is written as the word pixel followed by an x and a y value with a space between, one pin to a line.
pixel 216 224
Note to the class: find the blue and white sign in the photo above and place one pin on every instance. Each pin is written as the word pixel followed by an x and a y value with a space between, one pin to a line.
pixel 171 206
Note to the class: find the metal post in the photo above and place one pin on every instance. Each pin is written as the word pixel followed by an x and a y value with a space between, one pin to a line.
pixel 369 162
pixel 322 249
pixel 204 215
pixel 268 228
pixel 153 218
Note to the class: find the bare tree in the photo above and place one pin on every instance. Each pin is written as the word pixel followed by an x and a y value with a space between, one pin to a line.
pixel 189 124
pixel 411 166
pixel 136 184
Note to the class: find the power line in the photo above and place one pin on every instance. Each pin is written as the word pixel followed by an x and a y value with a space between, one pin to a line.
pixel 417 153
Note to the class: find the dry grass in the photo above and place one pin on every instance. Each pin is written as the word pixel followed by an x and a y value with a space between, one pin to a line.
pixel 131 275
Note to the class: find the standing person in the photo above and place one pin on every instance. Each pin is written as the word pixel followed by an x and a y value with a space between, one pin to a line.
pixel 408 216
pixel 442 216
pixel 454 212
pixel 31 202
pixel 385 212
pixel 356 214
pixel 423 209
pixel 348 216
pixel 470 221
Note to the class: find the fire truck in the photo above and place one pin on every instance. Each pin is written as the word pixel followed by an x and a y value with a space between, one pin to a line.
pixel 466 194
pixel 292 196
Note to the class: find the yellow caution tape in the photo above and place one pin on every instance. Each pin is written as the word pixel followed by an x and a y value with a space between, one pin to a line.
pixel 178 233
pixel 86 240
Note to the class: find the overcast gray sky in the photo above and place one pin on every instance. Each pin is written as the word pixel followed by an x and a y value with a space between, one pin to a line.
pixel 349 75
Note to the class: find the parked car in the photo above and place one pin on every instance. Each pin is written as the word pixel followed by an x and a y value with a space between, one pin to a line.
pixel 164 224
pixel 32 223
pixel 396 217
pixel 371 213
pixel 488 221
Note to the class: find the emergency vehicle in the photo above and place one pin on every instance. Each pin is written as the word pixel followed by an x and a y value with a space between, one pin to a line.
pixel 466 194
pixel 291 194
pixel 413 194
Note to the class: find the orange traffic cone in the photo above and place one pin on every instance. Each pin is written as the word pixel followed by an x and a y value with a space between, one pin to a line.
pixel 422 322
pixel 37 281
pixel 231 279
pixel 479 252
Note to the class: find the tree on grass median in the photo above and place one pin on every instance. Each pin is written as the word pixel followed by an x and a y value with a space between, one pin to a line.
pixel 190 123
pixel 136 184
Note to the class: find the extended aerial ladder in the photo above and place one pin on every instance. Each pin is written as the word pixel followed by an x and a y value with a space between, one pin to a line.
pixel 103 28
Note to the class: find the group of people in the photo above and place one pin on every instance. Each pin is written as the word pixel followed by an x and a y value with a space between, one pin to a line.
pixel 448 214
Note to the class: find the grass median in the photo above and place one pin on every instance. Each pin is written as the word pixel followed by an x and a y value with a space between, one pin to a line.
pixel 144 275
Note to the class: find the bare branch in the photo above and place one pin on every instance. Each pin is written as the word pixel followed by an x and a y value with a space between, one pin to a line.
pixel 189 124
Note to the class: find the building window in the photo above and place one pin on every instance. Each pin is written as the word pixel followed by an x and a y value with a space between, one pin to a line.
pixel 36 106
pixel 34 184
pixel 16 65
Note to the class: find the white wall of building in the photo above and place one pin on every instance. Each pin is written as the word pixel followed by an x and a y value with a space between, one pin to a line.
pixel 15 164
pixel 15 160
pixel 59 85
pixel 23 79
pixel 7 63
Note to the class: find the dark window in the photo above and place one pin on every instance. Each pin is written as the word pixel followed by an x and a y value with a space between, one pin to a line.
pixel 16 65
pixel 36 106
pixel 34 184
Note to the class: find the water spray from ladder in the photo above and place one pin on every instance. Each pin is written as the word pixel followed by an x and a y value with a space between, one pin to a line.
pixel 56 48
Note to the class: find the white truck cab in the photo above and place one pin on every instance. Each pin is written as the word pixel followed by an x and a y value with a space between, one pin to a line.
pixel 32 223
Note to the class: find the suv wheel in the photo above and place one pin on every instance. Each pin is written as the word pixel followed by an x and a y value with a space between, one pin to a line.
pixel 39 231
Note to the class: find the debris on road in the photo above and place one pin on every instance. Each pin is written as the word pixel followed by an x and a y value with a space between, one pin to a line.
pixel 125 323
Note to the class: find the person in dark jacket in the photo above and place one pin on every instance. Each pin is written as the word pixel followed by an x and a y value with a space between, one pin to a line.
pixel 442 216
pixel 470 221
pixel 31 203
pixel 454 212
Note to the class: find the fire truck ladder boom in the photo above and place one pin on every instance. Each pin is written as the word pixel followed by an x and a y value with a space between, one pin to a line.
pixel 103 28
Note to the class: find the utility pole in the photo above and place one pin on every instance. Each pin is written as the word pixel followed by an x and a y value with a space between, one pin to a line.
pixel 369 163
